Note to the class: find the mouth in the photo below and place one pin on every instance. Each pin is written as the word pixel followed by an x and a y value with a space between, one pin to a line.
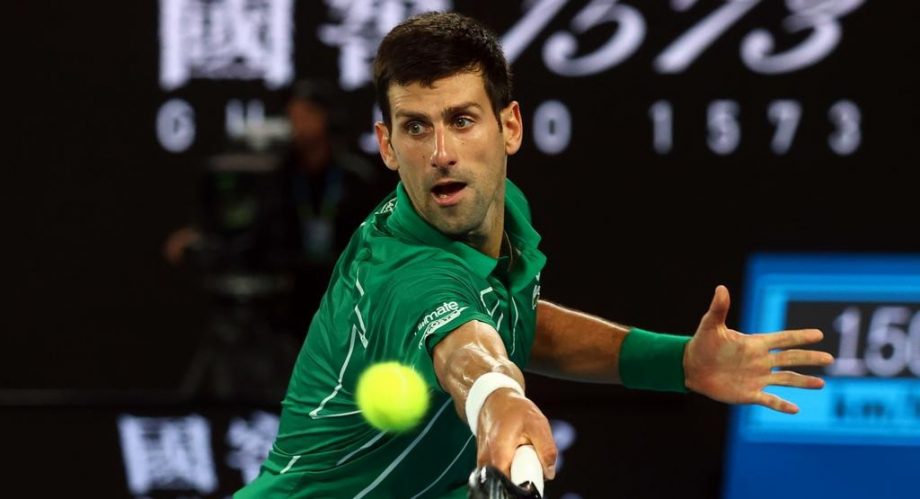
pixel 448 193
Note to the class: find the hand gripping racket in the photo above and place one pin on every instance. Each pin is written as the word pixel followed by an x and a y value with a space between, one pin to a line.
pixel 526 482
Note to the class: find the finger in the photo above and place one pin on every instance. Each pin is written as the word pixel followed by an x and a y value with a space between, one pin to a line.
pixel 494 449
pixel 718 308
pixel 777 404
pixel 500 455
pixel 785 339
pixel 789 358
pixel 790 378
pixel 543 443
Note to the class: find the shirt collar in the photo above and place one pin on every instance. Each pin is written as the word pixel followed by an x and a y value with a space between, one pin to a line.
pixel 408 223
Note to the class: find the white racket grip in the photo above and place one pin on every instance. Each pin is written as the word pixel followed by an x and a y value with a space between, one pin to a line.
pixel 526 467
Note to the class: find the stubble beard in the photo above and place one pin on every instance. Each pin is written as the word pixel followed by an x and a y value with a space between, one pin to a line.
pixel 470 224
pixel 460 222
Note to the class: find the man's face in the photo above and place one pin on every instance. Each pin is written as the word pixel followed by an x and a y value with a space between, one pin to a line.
pixel 451 153
pixel 308 122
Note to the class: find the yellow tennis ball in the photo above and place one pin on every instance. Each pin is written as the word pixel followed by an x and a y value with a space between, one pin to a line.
pixel 392 397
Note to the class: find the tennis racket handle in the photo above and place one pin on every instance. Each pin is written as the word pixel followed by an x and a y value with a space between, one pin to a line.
pixel 526 467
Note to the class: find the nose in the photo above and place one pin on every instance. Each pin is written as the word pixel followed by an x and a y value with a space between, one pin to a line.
pixel 443 155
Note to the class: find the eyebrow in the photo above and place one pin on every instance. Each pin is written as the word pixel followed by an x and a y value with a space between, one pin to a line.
pixel 446 113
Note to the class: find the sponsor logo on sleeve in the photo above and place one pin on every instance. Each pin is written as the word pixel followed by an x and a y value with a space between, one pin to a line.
pixel 440 317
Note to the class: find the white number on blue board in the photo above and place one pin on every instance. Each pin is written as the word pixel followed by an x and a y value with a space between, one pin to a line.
pixel 886 351
pixel 892 343
pixel 848 362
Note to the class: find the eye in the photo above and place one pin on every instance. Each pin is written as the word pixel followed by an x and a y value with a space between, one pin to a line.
pixel 462 122
pixel 414 128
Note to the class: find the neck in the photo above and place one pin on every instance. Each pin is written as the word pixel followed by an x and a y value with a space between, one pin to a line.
pixel 489 241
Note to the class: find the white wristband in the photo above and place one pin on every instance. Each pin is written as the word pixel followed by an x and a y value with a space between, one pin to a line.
pixel 480 391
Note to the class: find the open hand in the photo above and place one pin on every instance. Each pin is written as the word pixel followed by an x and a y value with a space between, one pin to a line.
pixel 732 367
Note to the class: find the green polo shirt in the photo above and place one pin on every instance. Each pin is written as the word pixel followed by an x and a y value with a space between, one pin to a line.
pixel 398 289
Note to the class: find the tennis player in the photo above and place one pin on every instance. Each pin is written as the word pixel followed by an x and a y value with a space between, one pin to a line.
pixel 445 276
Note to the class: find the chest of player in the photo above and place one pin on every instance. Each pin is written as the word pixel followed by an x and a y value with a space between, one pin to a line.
pixel 510 300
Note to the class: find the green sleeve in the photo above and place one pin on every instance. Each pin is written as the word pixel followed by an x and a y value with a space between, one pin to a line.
pixel 422 307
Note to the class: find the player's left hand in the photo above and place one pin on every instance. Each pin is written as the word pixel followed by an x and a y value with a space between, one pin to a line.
pixel 732 367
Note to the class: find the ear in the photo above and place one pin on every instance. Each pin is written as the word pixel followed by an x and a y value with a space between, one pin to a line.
pixel 386 148
pixel 512 127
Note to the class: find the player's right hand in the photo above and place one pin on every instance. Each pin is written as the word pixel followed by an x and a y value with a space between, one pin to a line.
pixel 507 421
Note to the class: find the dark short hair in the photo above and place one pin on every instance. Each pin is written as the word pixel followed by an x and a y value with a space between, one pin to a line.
pixel 435 45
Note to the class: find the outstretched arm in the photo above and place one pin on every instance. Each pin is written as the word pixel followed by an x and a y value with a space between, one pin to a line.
pixel 507 419
pixel 718 362
pixel 576 346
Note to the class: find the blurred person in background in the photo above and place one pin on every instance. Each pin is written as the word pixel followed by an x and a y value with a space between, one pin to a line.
pixel 269 226
pixel 328 190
